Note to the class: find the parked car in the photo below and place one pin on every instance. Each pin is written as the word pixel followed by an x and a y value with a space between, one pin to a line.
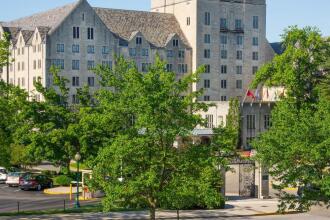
pixel 36 182
pixel 3 175
pixel 13 178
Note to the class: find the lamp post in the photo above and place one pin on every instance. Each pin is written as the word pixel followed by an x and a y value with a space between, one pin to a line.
pixel 77 157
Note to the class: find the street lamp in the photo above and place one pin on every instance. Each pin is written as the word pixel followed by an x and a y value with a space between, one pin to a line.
pixel 77 157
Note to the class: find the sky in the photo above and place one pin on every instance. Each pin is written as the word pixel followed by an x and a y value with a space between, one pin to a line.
pixel 280 13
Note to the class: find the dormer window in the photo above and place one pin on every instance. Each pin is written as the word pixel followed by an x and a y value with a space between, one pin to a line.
pixel 138 40
pixel 175 43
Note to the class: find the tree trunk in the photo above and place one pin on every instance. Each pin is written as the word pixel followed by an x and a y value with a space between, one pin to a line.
pixel 152 211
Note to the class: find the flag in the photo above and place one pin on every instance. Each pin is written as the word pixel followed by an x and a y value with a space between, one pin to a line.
pixel 250 94
pixel 257 94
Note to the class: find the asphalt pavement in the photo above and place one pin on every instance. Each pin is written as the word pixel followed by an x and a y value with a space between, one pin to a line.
pixel 13 199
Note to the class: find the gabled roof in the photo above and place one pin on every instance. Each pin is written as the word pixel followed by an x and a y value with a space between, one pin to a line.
pixel 155 27
pixel 277 47
pixel 27 35
pixel 51 18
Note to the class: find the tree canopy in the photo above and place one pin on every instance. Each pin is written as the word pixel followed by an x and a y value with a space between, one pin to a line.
pixel 297 146
pixel 143 165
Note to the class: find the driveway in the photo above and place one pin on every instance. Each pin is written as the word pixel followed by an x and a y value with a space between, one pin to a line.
pixel 12 198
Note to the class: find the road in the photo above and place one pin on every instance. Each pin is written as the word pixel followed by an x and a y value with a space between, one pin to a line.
pixel 30 200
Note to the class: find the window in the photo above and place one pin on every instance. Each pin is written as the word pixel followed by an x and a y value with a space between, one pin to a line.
pixel 39 47
pixel 35 48
pixel 207 83
pixel 59 48
pixel 75 64
pixel 223 84
pixel 223 39
pixel 23 51
pixel 239 55
pixel 75 48
pixel 90 81
pixel 267 122
pixel 90 64
pixel 34 64
pixel 239 69
pixel 181 54
pixel 107 64
pixel 90 33
pixel 75 81
pixel 90 49
pixel 223 98
pixel 238 24
pixel 169 53
pixel 19 66
pixel 132 52
pixel 207 18
pixel 207 53
pixel 138 40
pixel 145 67
pixel 18 81
pixel 224 69
pixel 105 50
pixel 223 54
pixel 239 40
pixel 255 22
pixel 83 17
pixel 255 56
pixel 207 98
pixel 75 32
pixel 75 99
pixel 207 68
pixel 209 121
pixel 207 38
pixel 59 63
pixel 39 64
pixel 254 70
pixel 169 67
pixel 145 52
pixel 251 122
pixel 239 84
pixel 255 41
pixel 23 81
pixel 182 68
pixel 175 43
pixel 188 21
pixel 223 23
pixel 22 66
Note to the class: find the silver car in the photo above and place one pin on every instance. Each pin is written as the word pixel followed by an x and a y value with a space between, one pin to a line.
pixel 3 175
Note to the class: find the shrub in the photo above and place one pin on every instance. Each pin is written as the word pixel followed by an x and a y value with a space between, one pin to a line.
pixel 62 180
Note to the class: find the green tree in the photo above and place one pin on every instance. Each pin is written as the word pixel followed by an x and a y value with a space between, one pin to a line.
pixel 13 101
pixel 140 167
pixel 296 147
pixel 53 129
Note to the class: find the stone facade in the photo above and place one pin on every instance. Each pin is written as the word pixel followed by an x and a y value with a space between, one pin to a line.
pixel 228 36
pixel 77 37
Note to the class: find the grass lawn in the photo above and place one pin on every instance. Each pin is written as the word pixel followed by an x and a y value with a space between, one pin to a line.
pixel 83 209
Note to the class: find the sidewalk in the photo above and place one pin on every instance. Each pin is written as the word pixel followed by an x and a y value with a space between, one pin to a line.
pixel 238 208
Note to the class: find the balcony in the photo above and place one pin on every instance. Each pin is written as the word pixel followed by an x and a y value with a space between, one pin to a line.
pixel 235 31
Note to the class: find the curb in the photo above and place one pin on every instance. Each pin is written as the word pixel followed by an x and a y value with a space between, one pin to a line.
pixel 227 216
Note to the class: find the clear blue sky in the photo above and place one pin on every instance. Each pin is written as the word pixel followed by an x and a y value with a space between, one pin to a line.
pixel 280 13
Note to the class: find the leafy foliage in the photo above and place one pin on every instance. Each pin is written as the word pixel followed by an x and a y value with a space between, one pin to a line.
pixel 145 113
pixel 297 146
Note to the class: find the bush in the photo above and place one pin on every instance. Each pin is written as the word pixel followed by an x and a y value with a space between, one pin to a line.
pixel 62 180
